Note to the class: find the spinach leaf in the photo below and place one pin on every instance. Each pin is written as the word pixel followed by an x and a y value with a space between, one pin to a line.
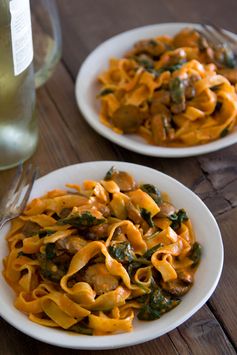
pixel 195 254
pixel 171 69
pixel 152 191
pixel 153 43
pixel 109 174
pixel 50 251
pixel 54 276
pixel 30 228
pixel 123 252
pixel 81 328
pixel 106 91
pixel 136 264
pixel 177 89
pixel 85 219
pixel 156 304
pixel 48 268
pixel 149 252
pixel 224 132
pixel 177 218
pixel 146 215
pixel 145 63
pixel 43 233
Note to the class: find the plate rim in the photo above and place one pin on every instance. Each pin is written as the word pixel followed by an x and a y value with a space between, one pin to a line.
pixel 124 140
pixel 129 341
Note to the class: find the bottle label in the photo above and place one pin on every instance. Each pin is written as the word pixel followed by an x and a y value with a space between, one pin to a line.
pixel 21 35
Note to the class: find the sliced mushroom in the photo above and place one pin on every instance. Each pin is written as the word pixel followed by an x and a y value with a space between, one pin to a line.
pixel 161 121
pixel 190 92
pixel 145 60
pixel 158 107
pixel 65 212
pixel 185 276
pixel 161 96
pixel 166 210
pixel 128 118
pixel 100 279
pixel 72 244
pixel 133 213
pixel 178 108
pixel 158 129
pixel 125 181
pixel 103 209
pixel 96 232
pixel 30 228
pixel 148 46
pixel 174 57
pixel 186 38
pixel 176 287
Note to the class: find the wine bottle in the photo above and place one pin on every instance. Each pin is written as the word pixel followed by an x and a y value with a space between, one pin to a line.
pixel 18 125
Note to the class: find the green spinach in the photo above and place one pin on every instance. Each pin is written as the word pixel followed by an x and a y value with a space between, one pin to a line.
pixel 81 328
pixel 177 218
pixel 109 174
pixel 85 219
pixel 177 90
pixel 156 304
pixel 146 215
pixel 106 91
pixel 195 254
pixel 152 191
pixel 123 252
pixel 148 254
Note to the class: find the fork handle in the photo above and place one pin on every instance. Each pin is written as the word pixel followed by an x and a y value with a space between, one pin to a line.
pixel 2 222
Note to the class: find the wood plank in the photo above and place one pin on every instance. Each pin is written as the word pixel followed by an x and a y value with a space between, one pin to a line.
pixel 200 335
pixel 160 346
pixel 14 342
pixel 55 149
pixel 223 301
pixel 86 24
pixel 87 143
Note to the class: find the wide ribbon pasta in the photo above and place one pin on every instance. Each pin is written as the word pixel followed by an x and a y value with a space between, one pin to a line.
pixel 87 261
pixel 173 95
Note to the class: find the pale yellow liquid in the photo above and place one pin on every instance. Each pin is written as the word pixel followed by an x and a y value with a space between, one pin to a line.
pixel 18 128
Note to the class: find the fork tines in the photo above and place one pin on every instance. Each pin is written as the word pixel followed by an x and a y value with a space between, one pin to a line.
pixel 218 36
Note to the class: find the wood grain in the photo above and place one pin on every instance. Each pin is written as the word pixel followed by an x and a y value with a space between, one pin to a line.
pixel 65 138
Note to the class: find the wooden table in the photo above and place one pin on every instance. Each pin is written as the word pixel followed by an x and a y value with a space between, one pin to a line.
pixel 65 138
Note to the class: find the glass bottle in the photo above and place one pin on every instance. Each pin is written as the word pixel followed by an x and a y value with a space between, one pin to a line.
pixel 18 126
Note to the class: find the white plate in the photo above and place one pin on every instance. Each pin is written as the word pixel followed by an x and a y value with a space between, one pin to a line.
pixel 206 278
pixel 87 88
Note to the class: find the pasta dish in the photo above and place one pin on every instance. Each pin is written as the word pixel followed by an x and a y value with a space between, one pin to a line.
pixel 173 92
pixel 89 258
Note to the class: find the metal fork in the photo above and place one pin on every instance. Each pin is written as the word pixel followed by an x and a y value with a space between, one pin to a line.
pixel 219 38
pixel 14 201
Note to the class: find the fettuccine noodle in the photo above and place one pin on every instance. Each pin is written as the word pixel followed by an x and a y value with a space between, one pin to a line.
pixel 173 92
pixel 87 258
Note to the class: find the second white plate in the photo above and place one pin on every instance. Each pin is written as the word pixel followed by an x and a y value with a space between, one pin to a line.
pixel 87 88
